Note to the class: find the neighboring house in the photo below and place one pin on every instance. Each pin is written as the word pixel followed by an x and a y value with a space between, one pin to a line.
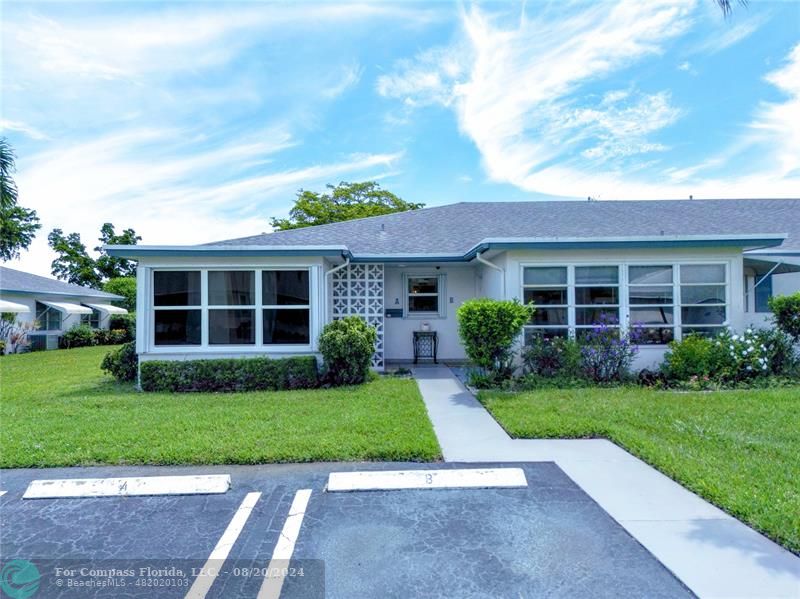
pixel 52 306
pixel 674 267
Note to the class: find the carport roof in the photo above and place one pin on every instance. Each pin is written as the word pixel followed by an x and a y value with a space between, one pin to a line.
pixel 17 281
pixel 459 230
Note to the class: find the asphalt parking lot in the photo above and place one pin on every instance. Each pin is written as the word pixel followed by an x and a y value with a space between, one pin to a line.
pixel 549 539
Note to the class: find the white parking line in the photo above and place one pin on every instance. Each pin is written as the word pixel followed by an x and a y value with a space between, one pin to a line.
pixel 220 553
pixel 3 493
pixel 122 487
pixel 389 480
pixel 282 554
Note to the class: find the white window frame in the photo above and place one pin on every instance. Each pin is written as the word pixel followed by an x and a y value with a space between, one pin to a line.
pixel 624 297
pixel 575 305
pixel 253 348
pixel 726 323
pixel 675 305
pixel 205 321
pixel 441 286
pixel 569 306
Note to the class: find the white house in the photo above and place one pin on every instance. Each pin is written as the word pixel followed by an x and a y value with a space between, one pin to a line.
pixel 51 307
pixel 672 266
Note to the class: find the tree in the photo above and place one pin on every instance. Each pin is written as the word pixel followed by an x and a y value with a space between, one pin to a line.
pixel 345 201
pixel 110 267
pixel 18 225
pixel 726 6
pixel 124 286
pixel 75 265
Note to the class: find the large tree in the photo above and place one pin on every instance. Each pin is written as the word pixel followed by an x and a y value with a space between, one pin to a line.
pixel 345 201
pixel 18 225
pixel 75 265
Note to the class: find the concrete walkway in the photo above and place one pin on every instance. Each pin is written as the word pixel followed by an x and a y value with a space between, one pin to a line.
pixel 714 554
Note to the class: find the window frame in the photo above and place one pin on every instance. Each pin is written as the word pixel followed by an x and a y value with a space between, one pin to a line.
pixel 42 329
pixel 570 295
pixel 94 319
pixel 441 286
pixel 204 307
pixel 624 291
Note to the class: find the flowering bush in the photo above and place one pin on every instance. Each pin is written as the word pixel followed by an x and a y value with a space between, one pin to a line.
pixel 740 357
pixel 606 354
pixel 551 357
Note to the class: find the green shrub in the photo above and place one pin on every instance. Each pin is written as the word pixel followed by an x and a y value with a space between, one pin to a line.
pixel 693 356
pixel 606 353
pixel 786 313
pixel 122 363
pixel 78 336
pixel 782 358
pixel 110 336
pixel 347 346
pixel 557 357
pixel 488 329
pixel 738 358
pixel 124 286
pixel 239 374
pixel 124 322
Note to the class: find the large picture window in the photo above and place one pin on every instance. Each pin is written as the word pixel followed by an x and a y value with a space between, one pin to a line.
pixel 285 299
pixel 176 304
pixel 664 301
pixel 231 307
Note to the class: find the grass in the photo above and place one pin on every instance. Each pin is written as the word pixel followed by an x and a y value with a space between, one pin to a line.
pixel 738 449
pixel 58 408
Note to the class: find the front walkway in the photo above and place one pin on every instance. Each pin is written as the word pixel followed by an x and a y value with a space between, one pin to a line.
pixel 714 554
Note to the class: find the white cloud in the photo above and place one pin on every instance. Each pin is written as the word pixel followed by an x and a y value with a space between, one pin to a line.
pixel 171 186
pixel 24 128
pixel 347 77
pixel 725 35
pixel 427 79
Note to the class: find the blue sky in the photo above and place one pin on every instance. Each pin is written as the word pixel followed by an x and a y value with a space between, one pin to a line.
pixel 192 122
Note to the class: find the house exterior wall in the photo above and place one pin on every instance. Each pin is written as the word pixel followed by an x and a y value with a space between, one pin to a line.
pixel 649 356
pixel 67 320
pixel 782 284
pixel 460 284
pixel 145 345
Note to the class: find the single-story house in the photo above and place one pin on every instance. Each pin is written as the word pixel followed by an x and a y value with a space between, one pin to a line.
pixel 671 266
pixel 52 306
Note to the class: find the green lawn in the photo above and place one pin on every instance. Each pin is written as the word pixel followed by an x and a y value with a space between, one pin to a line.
pixel 59 409
pixel 738 449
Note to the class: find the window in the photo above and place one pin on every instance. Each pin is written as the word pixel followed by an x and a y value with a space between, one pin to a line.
pixel 47 318
pixel 231 307
pixel 703 298
pixel 286 307
pixel 665 300
pixel 596 297
pixel 93 319
pixel 651 301
pixel 547 288
pixel 762 292
pixel 177 311
pixel 423 295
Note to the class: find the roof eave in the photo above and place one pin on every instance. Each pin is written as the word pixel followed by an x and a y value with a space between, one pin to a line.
pixel 106 296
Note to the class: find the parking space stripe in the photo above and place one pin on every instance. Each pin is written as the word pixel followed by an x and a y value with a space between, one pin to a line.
pixel 124 487
pixel 2 493
pixel 390 480
pixel 282 554
pixel 220 553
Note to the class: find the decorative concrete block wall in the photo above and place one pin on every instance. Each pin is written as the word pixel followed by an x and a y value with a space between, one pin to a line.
pixel 358 291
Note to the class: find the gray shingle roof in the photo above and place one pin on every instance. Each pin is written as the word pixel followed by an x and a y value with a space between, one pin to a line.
pixel 456 228
pixel 17 280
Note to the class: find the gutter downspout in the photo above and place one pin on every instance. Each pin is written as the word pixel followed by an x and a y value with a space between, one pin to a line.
pixel 479 257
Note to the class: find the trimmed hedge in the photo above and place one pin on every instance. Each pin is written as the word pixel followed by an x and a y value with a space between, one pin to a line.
pixel 237 374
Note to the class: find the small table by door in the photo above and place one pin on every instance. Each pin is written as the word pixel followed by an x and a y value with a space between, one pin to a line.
pixel 426 344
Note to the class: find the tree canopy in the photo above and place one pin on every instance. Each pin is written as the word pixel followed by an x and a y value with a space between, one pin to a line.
pixel 18 225
pixel 345 201
pixel 75 265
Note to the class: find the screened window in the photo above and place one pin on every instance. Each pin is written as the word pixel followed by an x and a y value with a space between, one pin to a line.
pixel 47 318
pixel 651 301
pixel 703 298
pixel 596 297
pixel 231 307
pixel 93 319
pixel 423 295
pixel 547 287
pixel 176 303
pixel 286 309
